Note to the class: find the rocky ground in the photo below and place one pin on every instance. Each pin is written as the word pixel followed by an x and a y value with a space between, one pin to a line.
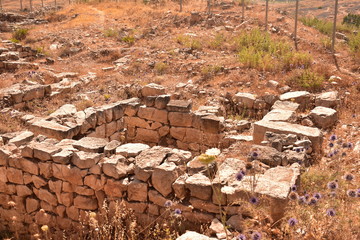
pixel 188 90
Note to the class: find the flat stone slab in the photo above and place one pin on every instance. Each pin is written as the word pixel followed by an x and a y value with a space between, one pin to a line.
pixel 64 111
pixel 179 106
pixel 22 138
pixel 131 149
pixel 286 105
pixel 279 115
pixel 300 97
pixel 91 144
pixel 51 129
pixel 261 127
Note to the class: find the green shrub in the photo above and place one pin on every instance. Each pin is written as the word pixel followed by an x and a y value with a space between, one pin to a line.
pixel 353 19
pixel 161 68
pixel 20 34
pixel 354 43
pixel 110 32
pixel 306 79
pixel 211 70
pixel 217 42
pixel 189 42
pixel 128 39
pixel 257 50
pixel 323 26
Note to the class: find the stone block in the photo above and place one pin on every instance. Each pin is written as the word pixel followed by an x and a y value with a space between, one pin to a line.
pixel 152 89
pixel 199 186
pixel 137 191
pixel 314 134
pixel 153 114
pixel 86 160
pixel 161 101
pixel 116 188
pixel 327 99
pixel 179 106
pixel 180 119
pixel 131 149
pixel 164 176
pixel 85 203
pixel 147 135
pixel 245 100
pixel 91 144
pixel 324 117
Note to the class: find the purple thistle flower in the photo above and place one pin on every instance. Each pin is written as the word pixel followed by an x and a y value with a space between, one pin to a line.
pixel 254 200
pixel 254 155
pixel 350 145
pixel 312 201
pixel 302 200
pixel 331 145
pixel 332 185
pixel 177 211
pixel 298 150
pixel 241 237
pixel 331 154
pixel 317 196
pixel 293 188
pixel 351 193
pixel 330 212
pixel 336 152
pixel 348 177
pixel 333 137
pixel 256 236
pixel 358 192
pixel 239 176
pixel 354 115
pixel 293 196
pixel 292 222
pixel 168 203
pixel 307 196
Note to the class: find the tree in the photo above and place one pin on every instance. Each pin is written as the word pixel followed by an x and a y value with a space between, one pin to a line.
pixel 243 9
pixel 266 15
pixel 296 23
pixel 334 27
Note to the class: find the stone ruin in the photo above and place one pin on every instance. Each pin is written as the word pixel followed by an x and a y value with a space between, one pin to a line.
pixel 145 150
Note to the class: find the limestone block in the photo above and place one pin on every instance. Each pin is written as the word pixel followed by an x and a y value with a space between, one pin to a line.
pixel 245 100
pixel 137 191
pixel 147 160
pixel 131 149
pixel 327 99
pixel 28 166
pixel 152 89
pixel 153 114
pixel 199 186
pixel 164 176
pixel 91 144
pixel 324 117
pixel 179 106
pixel 116 188
pixel 22 138
pixel 147 135
pixel 85 203
pixel 86 160
pixel 301 97
pixel 180 119
pixel 314 134
pixel 161 101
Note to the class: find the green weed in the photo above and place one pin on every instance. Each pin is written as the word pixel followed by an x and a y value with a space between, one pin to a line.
pixel 20 34
pixel 161 68
pixel 189 42
pixel 306 79
pixel 257 50
pixel 110 32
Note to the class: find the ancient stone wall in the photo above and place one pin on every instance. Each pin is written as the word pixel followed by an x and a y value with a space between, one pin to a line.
pixel 55 182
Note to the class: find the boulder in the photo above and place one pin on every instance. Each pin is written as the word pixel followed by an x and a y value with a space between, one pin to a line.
pixel 245 100
pixel 327 99
pixel 301 97
pixel 152 89
pixel 324 117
